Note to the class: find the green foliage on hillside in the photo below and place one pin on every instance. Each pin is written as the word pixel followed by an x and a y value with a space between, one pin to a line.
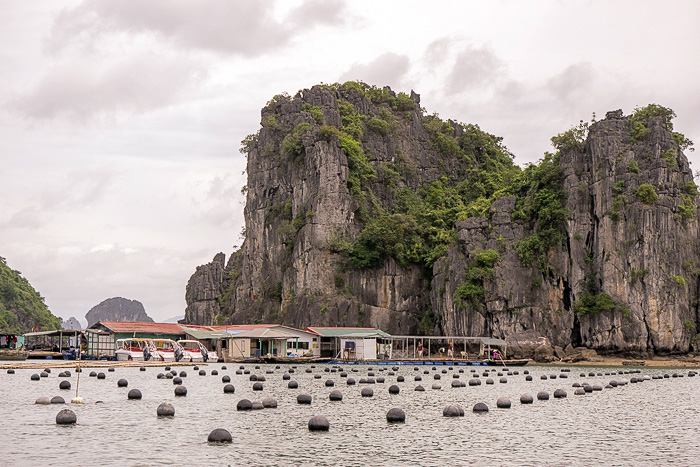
pixel 21 307
pixel 471 292
pixel 646 194
pixel 640 123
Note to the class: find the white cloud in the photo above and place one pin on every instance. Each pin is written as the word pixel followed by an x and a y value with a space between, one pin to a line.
pixel 475 68
pixel 134 84
pixel 387 69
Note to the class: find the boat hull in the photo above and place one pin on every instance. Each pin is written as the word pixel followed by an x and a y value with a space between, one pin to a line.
pixel 129 356
pixel 13 354
pixel 521 362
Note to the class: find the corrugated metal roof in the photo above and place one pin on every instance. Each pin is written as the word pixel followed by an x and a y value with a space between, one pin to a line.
pixel 202 333
pixel 154 328
pixel 347 332
pixel 265 333
pixel 242 327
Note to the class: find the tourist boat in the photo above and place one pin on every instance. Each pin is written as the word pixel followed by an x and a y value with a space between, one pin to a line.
pixel 167 350
pixel 194 351
pixel 500 362
pixel 134 349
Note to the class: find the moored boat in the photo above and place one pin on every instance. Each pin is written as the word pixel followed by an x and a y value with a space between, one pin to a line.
pixel 134 349
pixel 194 351
pixel 167 350
pixel 501 362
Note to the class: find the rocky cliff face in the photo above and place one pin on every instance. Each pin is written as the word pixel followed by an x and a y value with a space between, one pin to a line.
pixel 617 270
pixel 117 309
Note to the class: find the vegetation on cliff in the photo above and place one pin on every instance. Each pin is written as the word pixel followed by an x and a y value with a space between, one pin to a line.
pixel 22 308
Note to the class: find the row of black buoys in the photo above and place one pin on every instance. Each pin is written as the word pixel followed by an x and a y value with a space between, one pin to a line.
pixel 180 391
pixel 165 410
pixel 220 435
pixel 319 423
pixel 304 399
pixel 122 383
pixel 65 384
pixel 66 417
pixel 134 394
pixel 395 415
pixel 335 396
pixel 229 389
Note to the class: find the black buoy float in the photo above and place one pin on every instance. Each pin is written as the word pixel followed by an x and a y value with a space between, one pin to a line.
pixel 419 388
pixel 367 392
pixel 43 401
pixel 319 423
pixel 257 387
pixel 400 379
pixel 181 391
pixel 286 377
pixel 330 383
pixel 220 436
pixel 526 399
pixel 304 399
pixel 214 373
pixel 134 394
pixel 350 381
pixel 258 405
pixel 229 389
pixel 528 378
pixel 335 396
pixel 394 389
pixel 111 370
pixel 64 384
pixel 44 374
pixel 292 385
pixel 122 383
pixel 244 404
pixel 451 411
pixel 10 371
pixel 143 368
pixel 183 374
pixel 35 377
pixel 66 417
pixel 559 394
pixel 177 380
pixel 395 415
pixel 101 375
pixel 579 392
pixel 503 403
pixel 269 403
pixel 543 396
pixel 480 407
pixel 165 410
pixel 58 400
pixel 226 379
pixel 202 373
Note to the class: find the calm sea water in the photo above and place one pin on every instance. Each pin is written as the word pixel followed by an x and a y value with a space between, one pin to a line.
pixel 654 422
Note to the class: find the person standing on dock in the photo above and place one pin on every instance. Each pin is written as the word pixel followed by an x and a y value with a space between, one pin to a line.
pixel 450 350
pixel 420 349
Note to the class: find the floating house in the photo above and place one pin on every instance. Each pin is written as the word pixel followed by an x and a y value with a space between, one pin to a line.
pixel 102 336
pixel 352 343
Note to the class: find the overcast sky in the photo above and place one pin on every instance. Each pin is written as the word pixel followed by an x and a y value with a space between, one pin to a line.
pixel 121 120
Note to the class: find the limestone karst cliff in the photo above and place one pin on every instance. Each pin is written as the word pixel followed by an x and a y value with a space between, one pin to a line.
pixel 364 210
pixel 117 309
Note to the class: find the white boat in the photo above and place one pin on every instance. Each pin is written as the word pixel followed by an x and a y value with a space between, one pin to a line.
pixel 134 349
pixel 194 351
pixel 167 350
